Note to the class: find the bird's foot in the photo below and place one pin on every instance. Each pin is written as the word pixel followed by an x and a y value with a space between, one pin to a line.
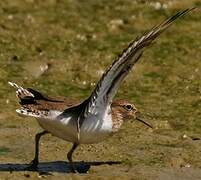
pixel 72 168
pixel 81 168
pixel 33 166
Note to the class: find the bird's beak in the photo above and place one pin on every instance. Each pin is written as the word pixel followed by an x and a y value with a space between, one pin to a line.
pixel 136 114
pixel 140 120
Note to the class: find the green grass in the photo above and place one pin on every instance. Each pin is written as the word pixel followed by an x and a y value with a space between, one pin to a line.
pixel 4 150
pixel 79 40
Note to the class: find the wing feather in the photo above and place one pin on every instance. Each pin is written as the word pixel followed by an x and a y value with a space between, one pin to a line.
pixel 110 81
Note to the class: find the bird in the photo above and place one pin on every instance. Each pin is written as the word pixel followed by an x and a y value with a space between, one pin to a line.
pixel 97 117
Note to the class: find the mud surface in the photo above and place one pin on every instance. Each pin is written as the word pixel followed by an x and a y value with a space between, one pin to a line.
pixel 62 48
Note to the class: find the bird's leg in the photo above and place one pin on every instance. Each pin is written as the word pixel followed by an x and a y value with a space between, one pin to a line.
pixel 34 162
pixel 69 156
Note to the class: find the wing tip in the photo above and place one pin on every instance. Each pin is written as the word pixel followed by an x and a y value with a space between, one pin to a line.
pixel 21 112
pixel 25 112
pixel 12 84
pixel 20 90
pixel 185 11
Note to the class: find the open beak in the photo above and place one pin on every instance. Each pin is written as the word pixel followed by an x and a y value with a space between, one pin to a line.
pixel 144 122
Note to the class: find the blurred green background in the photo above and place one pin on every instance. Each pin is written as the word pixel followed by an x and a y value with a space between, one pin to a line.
pixel 62 47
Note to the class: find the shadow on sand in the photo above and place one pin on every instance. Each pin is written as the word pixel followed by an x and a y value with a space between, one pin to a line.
pixel 55 166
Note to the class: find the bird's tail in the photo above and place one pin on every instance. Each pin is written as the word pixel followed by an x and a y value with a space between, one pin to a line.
pixel 21 92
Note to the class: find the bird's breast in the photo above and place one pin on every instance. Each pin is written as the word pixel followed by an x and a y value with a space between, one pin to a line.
pixel 96 128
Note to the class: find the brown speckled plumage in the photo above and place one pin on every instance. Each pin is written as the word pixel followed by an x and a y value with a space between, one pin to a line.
pixel 40 104
pixel 121 113
pixel 34 102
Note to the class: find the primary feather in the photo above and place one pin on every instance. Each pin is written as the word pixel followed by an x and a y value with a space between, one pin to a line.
pixel 109 83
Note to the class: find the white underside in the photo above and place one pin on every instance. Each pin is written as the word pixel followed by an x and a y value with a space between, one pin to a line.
pixel 93 130
pixel 96 127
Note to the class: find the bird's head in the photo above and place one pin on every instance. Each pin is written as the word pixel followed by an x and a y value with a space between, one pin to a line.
pixel 126 111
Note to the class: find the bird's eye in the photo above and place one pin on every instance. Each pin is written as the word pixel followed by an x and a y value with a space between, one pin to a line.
pixel 129 107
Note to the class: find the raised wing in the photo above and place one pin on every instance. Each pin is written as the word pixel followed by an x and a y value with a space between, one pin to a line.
pixel 109 83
